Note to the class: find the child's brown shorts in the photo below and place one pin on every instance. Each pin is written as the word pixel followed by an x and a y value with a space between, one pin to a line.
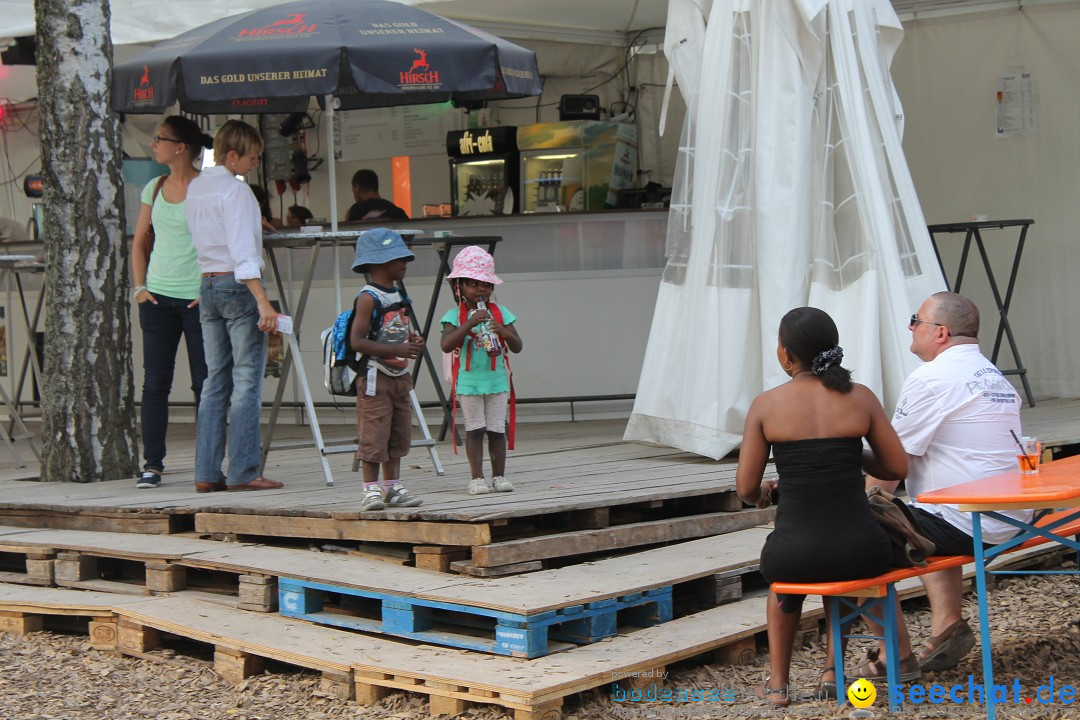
pixel 384 420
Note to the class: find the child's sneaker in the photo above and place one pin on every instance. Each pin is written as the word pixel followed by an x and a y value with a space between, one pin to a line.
pixel 479 486
pixel 398 496
pixel 501 484
pixel 373 499
pixel 149 479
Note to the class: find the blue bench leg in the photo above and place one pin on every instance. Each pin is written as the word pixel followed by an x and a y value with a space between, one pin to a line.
pixel 892 644
pixel 836 637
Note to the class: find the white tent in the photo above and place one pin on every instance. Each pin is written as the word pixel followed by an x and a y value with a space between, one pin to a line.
pixel 791 189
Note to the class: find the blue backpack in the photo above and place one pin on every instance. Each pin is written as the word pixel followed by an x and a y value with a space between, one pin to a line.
pixel 342 364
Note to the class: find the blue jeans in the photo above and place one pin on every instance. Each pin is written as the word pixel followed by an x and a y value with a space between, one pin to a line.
pixel 235 357
pixel 162 325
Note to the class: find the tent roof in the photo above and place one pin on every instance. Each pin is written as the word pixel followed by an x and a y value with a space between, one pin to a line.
pixel 600 20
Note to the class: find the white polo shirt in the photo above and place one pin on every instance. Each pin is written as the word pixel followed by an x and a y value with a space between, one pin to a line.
pixel 225 224
pixel 953 418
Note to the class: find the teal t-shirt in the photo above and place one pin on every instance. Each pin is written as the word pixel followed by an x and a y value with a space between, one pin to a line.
pixel 174 265
pixel 480 379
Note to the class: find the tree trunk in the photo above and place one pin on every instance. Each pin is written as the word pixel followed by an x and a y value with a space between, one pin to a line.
pixel 87 400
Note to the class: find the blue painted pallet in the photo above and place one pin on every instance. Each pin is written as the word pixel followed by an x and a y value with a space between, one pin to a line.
pixel 470 627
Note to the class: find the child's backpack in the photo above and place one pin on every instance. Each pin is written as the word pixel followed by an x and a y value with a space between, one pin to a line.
pixel 339 359
pixel 342 364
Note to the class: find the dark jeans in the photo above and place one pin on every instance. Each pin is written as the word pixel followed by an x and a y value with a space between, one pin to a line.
pixel 162 325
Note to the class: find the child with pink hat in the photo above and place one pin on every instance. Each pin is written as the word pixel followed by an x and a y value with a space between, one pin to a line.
pixel 480 335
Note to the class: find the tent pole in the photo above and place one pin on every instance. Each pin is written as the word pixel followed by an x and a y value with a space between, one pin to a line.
pixel 331 104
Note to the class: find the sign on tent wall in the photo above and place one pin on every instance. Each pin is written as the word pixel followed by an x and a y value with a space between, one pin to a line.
pixel 392 131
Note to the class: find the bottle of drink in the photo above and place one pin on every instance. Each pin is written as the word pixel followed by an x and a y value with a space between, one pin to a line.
pixel 485 335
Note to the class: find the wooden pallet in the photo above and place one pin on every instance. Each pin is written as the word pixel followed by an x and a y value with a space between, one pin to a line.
pixel 367 668
pixel 470 627
pixel 526 595
pixel 568 503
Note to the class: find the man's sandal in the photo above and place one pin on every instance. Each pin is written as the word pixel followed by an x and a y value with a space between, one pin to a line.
pixel 777 697
pixel 944 651
pixel 873 668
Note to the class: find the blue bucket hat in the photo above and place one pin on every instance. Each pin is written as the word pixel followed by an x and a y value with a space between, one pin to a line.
pixel 378 246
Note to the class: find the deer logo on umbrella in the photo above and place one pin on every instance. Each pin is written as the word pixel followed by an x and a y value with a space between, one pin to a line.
pixel 420 75
pixel 421 62
pixel 294 19
pixel 144 93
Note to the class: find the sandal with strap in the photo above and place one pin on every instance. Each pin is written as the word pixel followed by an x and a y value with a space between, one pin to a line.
pixel 826 689
pixel 777 697
pixel 944 651
pixel 873 668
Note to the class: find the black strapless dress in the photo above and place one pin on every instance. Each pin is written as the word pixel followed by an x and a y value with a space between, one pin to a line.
pixel 824 528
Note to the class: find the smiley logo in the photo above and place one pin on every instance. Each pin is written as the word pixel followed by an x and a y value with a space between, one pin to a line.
pixel 862 693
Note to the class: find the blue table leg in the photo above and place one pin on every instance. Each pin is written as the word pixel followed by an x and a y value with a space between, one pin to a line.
pixel 984 619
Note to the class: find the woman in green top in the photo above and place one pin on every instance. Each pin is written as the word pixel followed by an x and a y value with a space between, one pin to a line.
pixel 166 273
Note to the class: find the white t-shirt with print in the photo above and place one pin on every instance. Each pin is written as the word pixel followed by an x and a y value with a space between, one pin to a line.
pixel 953 418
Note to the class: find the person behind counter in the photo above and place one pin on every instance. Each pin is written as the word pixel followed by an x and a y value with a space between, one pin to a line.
pixel 12 231
pixel 236 315
pixel 297 215
pixel 165 270
pixel 264 207
pixel 369 205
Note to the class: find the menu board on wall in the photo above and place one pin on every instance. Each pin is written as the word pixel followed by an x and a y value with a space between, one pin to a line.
pixel 393 131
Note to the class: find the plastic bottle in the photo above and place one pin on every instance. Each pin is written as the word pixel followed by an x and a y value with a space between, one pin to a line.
pixel 485 335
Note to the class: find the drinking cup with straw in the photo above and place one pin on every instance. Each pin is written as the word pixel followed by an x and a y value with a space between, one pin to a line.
pixel 1028 455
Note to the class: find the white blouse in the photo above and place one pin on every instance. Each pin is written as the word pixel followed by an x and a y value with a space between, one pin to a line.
pixel 225 224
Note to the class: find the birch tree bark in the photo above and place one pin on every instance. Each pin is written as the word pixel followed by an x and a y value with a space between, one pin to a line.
pixel 87 399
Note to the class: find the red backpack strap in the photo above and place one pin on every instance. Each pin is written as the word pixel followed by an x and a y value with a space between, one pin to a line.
pixel 455 368
pixel 455 365
pixel 513 402
pixel 497 315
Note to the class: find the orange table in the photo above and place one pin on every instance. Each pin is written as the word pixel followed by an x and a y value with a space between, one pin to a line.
pixel 1057 485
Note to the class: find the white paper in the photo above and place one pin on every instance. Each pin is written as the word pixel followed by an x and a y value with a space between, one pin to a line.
pixel 1015 105
pixel 284 324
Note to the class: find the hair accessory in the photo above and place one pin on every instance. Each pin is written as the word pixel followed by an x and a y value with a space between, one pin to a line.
pixel 826 359
pixel 475 263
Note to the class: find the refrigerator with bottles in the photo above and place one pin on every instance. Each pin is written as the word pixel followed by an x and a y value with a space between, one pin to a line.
pixel 483 171
pixel 576 165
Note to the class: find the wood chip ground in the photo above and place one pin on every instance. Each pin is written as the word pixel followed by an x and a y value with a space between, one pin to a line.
pixel 55 676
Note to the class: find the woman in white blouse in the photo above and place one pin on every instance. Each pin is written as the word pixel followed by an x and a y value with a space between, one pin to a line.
pixel 235 313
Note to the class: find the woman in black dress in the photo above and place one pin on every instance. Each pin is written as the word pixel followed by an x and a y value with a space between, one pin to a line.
pixel 824 532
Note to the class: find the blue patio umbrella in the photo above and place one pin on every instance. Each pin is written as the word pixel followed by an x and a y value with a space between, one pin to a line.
pixel 349 54
pixel 366 53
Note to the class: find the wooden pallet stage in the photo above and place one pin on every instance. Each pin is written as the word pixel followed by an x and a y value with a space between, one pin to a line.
pixel 512 615
pixel 365 668
pixel 599 496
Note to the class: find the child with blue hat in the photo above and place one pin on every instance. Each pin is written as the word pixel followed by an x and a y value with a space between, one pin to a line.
pixel 381 333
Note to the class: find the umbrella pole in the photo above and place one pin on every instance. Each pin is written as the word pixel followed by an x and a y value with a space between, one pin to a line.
pixel 331 104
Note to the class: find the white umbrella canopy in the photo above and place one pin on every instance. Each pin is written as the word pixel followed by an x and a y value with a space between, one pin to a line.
pixel 791 189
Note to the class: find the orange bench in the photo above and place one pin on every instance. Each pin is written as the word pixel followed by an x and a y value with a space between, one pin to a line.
pixel 878 594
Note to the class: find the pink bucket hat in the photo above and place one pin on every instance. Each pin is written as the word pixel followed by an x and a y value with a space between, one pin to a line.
pixel 474 263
